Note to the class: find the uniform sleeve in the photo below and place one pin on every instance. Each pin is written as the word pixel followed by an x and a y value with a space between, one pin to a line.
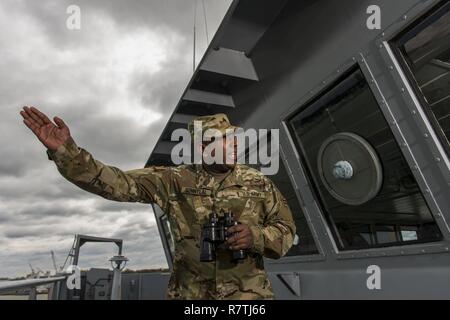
pixel 275 237
pixel 147 185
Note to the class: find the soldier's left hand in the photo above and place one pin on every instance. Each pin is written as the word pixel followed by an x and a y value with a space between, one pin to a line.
pixel 241 239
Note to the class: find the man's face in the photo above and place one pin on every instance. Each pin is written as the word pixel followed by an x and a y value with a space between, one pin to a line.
pixel 229 149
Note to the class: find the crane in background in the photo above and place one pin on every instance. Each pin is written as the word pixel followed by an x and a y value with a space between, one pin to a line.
pixel 33 274
pixel 57 271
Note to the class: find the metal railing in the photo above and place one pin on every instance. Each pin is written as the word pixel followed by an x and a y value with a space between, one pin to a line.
pixel 32 284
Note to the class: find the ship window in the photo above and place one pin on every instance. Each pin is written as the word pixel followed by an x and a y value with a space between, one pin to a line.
pixel 357 171
pixel 424 52
pixel 408 233
pixel 386 234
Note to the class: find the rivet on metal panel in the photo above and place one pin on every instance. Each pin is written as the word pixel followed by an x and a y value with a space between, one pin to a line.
pixel 423 250
pixel 405 17
pixel 425 135
pixel 381 46
pixel 438 159
pixel 402 252
pixel 446 248
pixel 393 122
pixel 391 68
pixel 402 89
pixel 383 34
pixel 372 80
pixel 404 144
pixel 323 82
pixel 338 71
pixel 415 167
pixel 414 112
pixel 427 191
pixel 353 58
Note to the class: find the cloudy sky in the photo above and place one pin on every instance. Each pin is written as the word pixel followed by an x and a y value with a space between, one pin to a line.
pixel 115 82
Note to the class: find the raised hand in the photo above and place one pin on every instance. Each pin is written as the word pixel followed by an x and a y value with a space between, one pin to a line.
pixel 52 136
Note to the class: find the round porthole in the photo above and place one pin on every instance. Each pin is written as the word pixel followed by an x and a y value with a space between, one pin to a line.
pixel 349 168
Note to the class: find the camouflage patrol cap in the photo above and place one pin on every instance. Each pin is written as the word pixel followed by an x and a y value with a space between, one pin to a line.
pixel 218 121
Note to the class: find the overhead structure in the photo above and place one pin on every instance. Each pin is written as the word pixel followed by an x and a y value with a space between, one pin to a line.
pixel 226 67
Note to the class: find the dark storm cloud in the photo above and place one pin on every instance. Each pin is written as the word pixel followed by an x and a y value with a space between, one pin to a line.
pixel 156 13
pixel 114 206
pixel 12 167
pixel 160 15
pixel 115 82
pixel 163 87
pixel 47 209
pixel 112 133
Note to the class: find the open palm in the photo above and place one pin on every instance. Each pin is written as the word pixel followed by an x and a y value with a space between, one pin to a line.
pixel 52 136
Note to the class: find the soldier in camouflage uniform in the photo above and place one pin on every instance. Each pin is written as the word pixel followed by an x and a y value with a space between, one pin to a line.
pixel 187 194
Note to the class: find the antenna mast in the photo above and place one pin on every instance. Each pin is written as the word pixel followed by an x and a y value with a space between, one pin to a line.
pixel 195 18
pixel 206 22
pixel 54 261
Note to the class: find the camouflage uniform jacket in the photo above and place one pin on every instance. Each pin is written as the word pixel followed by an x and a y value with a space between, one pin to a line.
pixel 186 194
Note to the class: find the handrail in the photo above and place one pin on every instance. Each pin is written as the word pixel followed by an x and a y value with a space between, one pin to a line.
pixel 28 283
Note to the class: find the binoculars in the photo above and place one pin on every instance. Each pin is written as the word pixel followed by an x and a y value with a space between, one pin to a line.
pixel 214 233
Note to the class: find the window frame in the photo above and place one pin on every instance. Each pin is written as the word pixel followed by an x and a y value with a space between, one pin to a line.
pixel 398 41
pixel 325 241
pixel 334 234
pixel 310 227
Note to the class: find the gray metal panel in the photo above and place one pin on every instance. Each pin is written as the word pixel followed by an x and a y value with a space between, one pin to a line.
pixel 209 98
pixel 145 286
pixel 231 63
pixel 336 278
pixel 181 118
pixel 154 286
pixel 308 46
pixel 249 23
pixel 164 147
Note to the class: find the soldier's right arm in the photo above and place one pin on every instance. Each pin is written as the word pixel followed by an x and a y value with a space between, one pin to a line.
pixel 147 185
